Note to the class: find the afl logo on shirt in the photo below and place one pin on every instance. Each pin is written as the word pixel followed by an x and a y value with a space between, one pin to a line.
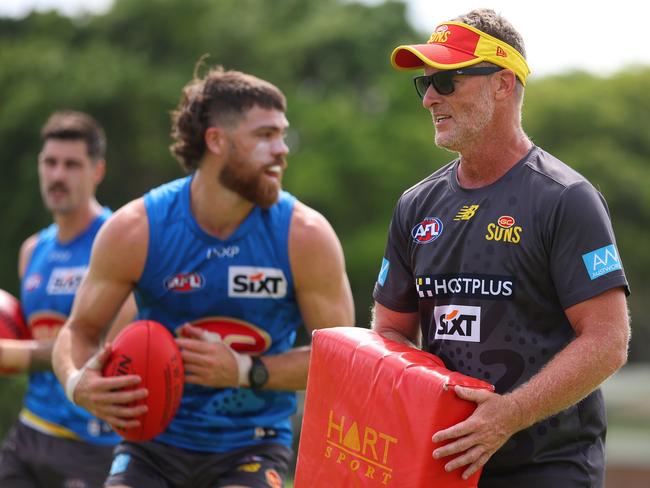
pixel 185 282
pixel 255 282
pixel 426 231
pixel 65 281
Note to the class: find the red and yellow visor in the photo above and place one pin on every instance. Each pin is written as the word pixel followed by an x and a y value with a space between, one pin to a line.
pixel 456 45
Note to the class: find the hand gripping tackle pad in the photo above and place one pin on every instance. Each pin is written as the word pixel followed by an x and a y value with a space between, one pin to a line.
pixel 371 408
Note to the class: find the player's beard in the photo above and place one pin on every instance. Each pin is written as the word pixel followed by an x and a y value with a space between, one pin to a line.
pixel 242 177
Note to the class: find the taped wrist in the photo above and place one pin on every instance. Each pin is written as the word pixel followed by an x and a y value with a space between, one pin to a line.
pixel 74 378
pixel 244 361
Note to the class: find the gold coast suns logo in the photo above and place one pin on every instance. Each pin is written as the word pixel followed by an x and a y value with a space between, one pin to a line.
pixel 440 35
pixel 46 324
pixel 504 230
pixel 242 336
pixel 361 449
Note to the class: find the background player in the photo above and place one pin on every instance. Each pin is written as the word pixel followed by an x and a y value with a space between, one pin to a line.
pixel 55 443
pixel 223 248
pixel 505 260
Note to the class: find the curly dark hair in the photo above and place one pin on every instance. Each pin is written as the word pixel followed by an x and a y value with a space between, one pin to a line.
pixel 219 98
pixel 488 21
pixel 71 125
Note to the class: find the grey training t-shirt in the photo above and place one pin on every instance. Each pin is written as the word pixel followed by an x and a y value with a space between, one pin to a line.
pixel 490 272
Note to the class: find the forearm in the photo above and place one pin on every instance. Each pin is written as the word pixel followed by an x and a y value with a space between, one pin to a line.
pixel 395 326
pixel 71 351
pixel 570 376
pixel 25 355
pixel 288 371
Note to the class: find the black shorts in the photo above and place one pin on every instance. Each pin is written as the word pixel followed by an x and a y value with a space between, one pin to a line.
pixel 157 465
pixel 31 459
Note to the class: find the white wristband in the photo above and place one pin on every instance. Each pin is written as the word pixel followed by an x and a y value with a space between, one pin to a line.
pixel 74 378
pixel 244 361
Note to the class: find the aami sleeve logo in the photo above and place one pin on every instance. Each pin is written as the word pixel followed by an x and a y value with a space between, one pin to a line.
pixel 601 261
pixel 383 272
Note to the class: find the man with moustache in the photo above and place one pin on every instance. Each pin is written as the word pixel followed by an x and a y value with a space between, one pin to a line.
pixel 223 247
pixel 54 442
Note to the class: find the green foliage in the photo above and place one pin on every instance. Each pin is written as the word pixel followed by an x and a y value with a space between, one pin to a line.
pixel 359 136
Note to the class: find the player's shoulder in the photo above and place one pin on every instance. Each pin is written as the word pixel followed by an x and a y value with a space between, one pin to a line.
pixel 128 222
pixel 25 253
pixel 439 177
pixel 551 171
pixel 307 221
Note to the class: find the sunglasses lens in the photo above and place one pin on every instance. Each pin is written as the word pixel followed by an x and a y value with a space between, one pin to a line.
pixel 422 84
pixel 443 82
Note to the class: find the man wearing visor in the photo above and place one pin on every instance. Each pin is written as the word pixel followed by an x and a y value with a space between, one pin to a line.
pixel 504 264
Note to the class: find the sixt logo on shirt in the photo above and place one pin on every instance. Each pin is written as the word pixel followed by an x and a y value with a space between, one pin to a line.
pixel 458 323
pixel 255 282
pixel 427 230
pixel 65 281
pixel 466 285
pixel 185 282
pixel 602 261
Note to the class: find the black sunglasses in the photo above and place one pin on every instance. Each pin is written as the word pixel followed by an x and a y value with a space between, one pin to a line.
pixel 443 81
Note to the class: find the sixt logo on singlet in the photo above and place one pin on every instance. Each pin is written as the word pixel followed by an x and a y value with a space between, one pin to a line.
pixel 256 282
pixel 65 281
pixel 427 230
pixel 458 323
pixel 466 285
pixel 185 282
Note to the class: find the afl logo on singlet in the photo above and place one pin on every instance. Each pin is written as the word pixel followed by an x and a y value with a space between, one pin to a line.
pixel 185 282
pixel 426 231
pixel 242 336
